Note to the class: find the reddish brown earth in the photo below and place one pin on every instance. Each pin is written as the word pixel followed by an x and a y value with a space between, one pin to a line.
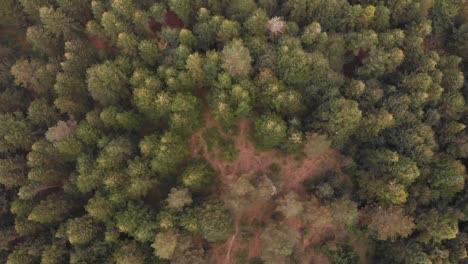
pixel 99 42
pixel 249 159
pixel 293 172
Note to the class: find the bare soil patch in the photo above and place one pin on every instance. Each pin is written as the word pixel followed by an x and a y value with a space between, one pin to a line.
pixel 293 171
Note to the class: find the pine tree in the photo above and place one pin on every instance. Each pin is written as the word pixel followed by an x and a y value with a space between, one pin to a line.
pixel 81 230
pixel 107 83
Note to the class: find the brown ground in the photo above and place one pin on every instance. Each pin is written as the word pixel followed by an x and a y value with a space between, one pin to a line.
pixel 249 159
pixel 293 172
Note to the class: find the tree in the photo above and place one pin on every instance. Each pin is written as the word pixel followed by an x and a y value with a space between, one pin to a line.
pixel 443 14
pixel 257 23
pixel 15 132
pixel 150 52
pixel 12 171
pixel 81 230
pixel 248 190
pixel 345 212
pixel 380 62
pixel 40 113
pixel 240 9
pixel 216 223
pixel 342 255
pixel 142 180
pixel 128 44
pixel 436 226
pixel 97 252
pixel 130 252
pixel 115 153
pixel 338 118
pixel 390 223
pixel 187 253
pixel 178 198
pixel 107 83
pixel 62 130
pixel 198 175
pixel 373 124
pixel 311 33
pixel 20 255
pixel 415 140
pixel 236 59
pixel 55 253
pixel 72 95
pixel 169 153
pixel 34 75
pixel 448 177
pixel 270 131
pixel 137 220
pixel 99 207
pixel 289 205
pixel 185 116
pixel 228 31
pixel 279 241
pixel 165 244
pixel 58 23
pixel 31 8
pixel 298 68
pixel 55 208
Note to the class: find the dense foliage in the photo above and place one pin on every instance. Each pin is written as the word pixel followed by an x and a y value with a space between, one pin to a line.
pixel 100 99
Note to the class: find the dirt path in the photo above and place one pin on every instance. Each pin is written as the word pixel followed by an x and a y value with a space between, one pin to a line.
pixel 231 241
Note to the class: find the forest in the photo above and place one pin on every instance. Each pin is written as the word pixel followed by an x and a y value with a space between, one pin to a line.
pixel 233 131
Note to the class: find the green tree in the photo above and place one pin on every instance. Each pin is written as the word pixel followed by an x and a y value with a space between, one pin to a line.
pixel 198 175
pixel 270 131
pixel 436 226
pixel 338 118
pixel 12 171
pixel 228 31
pixel 55 253
pixel 115 153
pixel 216 223
pixel 150 52
pixel 128 44
pixel 81 230
pixel 53 209
pixel 58 22
pixel 99 207
pixel 444 13
pixel 183 8
pixel 169 152
pixel 15 132
pixel 130 252
pixel 447 177
pixel 107 83
pixel 137 220
pixel 165 244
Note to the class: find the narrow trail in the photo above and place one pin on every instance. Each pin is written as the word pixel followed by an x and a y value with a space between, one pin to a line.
pixel 231 241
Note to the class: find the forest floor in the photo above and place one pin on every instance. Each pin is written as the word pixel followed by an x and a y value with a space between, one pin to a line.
pixel 292 170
